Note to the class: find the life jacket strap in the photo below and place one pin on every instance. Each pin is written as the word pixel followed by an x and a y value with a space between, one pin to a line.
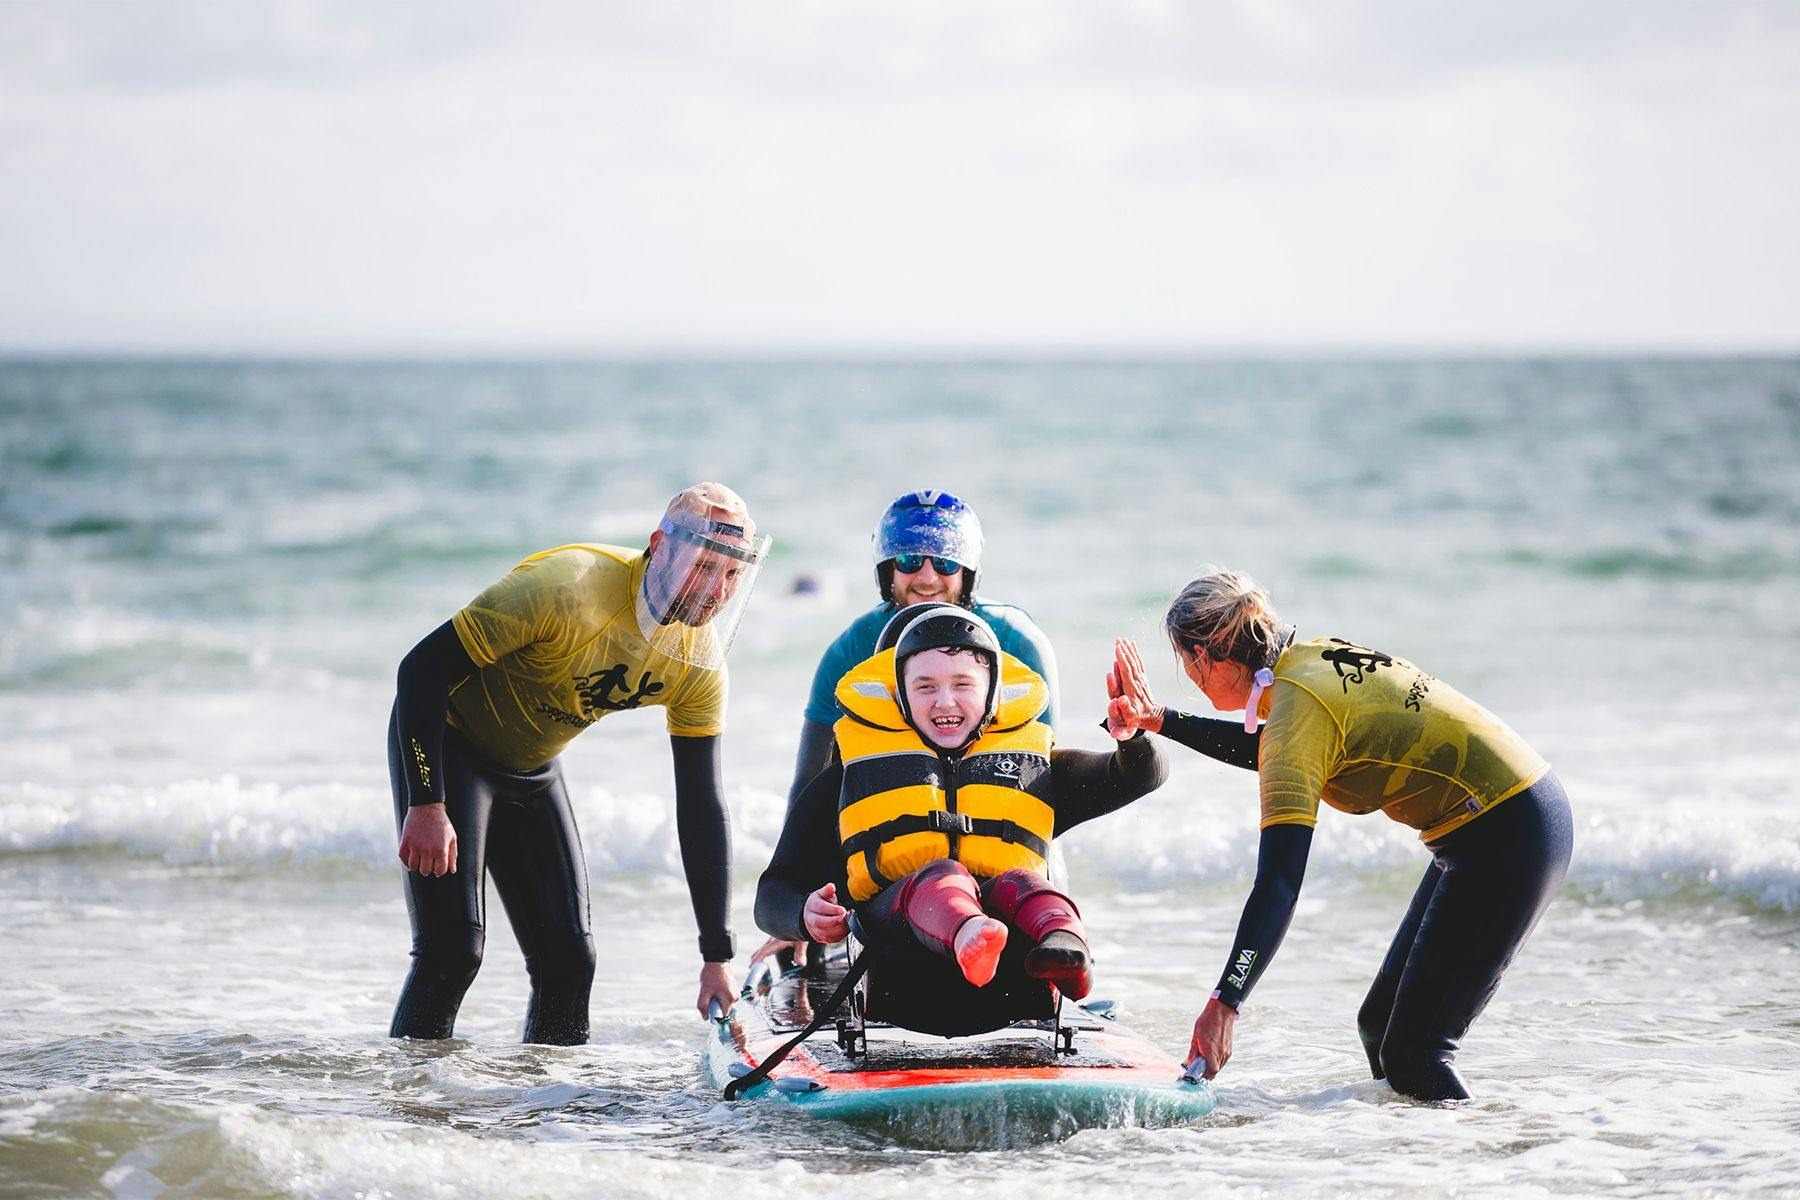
pixel 1010 831
pixel 942 821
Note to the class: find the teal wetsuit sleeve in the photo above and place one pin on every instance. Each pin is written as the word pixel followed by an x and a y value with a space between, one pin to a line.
pixel 1029 644
pixel 821 703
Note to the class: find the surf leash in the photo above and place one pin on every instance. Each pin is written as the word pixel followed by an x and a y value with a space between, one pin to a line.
pixel 825 1014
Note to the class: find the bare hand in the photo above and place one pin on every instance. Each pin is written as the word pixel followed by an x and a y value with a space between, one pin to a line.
pixel 825 919
pixel 1212 1036
pixel 1130 705
pixel 775 946
pixel 428 840
pixel 716 983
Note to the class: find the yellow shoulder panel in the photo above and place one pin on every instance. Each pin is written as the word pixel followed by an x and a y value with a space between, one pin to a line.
pixel 866 692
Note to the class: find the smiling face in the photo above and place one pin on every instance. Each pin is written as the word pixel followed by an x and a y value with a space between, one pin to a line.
pixel 946 693
pixel 926 586
pixel 691 582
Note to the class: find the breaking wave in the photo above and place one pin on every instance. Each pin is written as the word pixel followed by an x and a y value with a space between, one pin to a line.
pixel 1620 856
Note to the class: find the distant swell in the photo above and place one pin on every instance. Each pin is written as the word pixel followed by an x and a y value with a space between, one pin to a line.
pixel 1749 860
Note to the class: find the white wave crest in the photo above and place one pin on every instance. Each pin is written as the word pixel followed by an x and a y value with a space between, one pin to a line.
pixel 227 821
pixel 1620 855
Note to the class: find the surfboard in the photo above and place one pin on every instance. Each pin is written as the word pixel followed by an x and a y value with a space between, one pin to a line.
pixel 1081 1069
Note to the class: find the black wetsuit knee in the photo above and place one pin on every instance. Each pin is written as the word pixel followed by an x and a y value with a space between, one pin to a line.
pixel 562 977
pixel 441 973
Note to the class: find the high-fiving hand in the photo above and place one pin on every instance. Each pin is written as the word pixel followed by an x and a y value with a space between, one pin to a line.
pixel 1130 705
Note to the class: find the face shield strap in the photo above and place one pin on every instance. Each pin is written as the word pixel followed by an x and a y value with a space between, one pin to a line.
pixel 1265 679
pixel 744 549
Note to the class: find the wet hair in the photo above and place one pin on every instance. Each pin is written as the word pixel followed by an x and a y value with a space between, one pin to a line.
pixel 1227 614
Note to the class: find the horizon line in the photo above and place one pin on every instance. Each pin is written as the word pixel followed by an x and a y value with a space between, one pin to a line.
pixel 851 353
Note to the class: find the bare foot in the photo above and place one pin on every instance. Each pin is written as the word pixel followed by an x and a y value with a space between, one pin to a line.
pixel 977 947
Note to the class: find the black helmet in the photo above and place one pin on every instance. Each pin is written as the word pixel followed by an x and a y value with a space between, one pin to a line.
pixel 943 627
pixel 890 633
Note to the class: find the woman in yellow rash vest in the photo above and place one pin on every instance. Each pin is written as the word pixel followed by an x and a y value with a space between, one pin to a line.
pixel 1366 732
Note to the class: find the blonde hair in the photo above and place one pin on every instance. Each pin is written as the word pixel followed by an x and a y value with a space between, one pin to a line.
pixel 1227 614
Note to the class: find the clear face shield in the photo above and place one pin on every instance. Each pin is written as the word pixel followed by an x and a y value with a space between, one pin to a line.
pixel 697 584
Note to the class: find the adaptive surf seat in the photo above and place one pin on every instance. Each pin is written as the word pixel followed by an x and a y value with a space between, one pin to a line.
pixel 908 986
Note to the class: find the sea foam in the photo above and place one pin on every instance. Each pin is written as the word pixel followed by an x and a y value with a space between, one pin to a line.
pixel 1621 854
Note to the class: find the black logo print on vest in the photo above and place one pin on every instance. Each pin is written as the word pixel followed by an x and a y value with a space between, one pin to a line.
pixel 597 689
pixel 1351 661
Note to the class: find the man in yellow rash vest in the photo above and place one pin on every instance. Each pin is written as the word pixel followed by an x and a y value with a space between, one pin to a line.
pixel 487 702
pixel 1367 732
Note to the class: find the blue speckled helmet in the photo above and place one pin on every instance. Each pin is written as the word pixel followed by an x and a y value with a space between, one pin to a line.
pixel 931 522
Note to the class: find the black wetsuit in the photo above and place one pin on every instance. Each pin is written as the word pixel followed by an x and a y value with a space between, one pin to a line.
pixel 519 826
pixel 1487 884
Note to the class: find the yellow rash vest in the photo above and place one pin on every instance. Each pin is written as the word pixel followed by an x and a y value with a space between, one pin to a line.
pixel 1366 732
pixel 904 804
pixel 558 646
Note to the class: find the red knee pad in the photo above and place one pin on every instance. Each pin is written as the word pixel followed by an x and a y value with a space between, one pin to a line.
pixel 1026 901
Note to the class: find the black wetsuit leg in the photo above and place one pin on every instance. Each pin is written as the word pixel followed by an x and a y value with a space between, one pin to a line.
pixel 524 819
pixel 1378 1005
pixel 1490 882
pixel 534 852
pixel 448 912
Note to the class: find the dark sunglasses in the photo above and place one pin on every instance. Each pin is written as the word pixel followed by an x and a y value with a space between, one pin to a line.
pixel 908 564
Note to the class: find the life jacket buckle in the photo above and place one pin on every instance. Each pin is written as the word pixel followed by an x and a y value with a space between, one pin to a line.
pixel 945 821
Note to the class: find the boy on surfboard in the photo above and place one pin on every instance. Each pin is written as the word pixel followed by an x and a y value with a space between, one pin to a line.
pixel 934 818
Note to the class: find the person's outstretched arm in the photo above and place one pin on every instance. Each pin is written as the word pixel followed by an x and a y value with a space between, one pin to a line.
pixel 703 829
pixel 1092 783
pixel 1280 866
pixel 1225 741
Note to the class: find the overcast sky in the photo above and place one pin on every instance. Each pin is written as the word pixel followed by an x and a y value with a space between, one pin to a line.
pixel 770 176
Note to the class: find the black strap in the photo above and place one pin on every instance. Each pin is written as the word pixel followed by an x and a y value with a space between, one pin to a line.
pixel 941 821
pixel 938 820
pixel 824 1014
pixel 1010 831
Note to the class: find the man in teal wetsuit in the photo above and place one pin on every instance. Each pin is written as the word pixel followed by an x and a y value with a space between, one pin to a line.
pixel 927 550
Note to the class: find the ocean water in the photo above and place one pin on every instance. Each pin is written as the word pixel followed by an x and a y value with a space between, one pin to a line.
pixel 209 570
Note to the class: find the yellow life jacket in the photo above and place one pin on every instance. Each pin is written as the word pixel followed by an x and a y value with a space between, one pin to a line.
pixel 904 803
